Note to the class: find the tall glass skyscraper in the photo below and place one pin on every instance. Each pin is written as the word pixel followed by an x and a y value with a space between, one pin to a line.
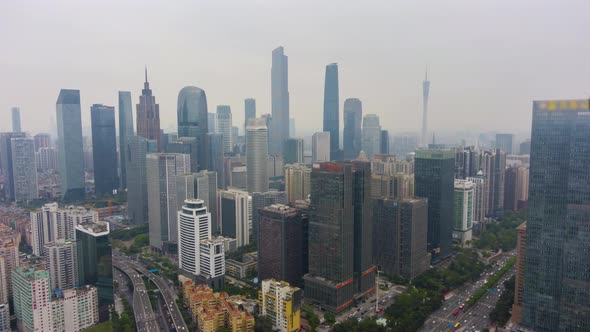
pixel 215 147
pixel 257 156
pixel 16 128
pixel 104 149
pixel 148 115
pixel 193 120
pixel 249 111
pixel 224 127
pixel 125 131
pixel 434 179
pixel 279 76
pixel 69 144
pixel 557 263
pixel 331 109
pixel 6 162
pixel 353 114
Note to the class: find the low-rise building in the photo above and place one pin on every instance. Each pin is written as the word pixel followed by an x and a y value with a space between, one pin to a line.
pixel 241 269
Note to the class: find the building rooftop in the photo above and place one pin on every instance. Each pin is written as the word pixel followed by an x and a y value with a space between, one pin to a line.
pixel 94 228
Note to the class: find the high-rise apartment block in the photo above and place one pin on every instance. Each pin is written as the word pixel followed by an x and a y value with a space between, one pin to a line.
pixel 297 182
pixel 148 115
pixel 75 309
pixel 556 264
pixel 280 302
pixel 400 228
pixel 320 147
pixel 32 299
pixel 24 169
pixel 104 149
pixel 257 155
pixel 69 145
pixel 434 179
pixel 61 260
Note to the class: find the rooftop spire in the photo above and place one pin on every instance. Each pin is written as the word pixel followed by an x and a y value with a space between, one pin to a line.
pixel 426 74
pixel 146 73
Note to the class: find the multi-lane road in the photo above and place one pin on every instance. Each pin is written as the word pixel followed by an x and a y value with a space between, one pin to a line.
pixel 168 294
pixel 145 319
pixel 470 319
pixel 367 308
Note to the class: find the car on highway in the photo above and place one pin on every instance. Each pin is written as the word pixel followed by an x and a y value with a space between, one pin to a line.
pixel 456 312
pixel 462 306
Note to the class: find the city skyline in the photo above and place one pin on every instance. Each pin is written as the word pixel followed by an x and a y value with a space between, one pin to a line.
pixel 389 89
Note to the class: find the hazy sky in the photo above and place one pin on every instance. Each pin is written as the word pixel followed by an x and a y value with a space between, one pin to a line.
pixel 487 59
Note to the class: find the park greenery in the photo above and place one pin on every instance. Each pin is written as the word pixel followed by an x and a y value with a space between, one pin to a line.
pixel 248 292
pixel 501 313
pixel 103 327
pixel 124 322
pixel 352 325
pixel 501 234
pixel 309 314
pixel 263 324
pixel 491 282
pixel 129 233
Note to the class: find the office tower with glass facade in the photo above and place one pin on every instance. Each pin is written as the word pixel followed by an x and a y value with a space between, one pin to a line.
pixel 137 150
pixel 24 169
pixel 525 147
pixel 257 155
pixel 6 156
pixel 293 151
pixel 95 262
pixel 556 279
pixel 320 147
pixel 104 149
pixel 16 128
pixel 125 132
pixel 192 118
pixel 262 200
pixel 425 94
pixel 400 235
pixel 165 193
pixel 235 215
pixel 224 125
pixel 504 142
pixel 434 179
pixel 331 109
pixel 353 114
pixel 249 111
pixel 279 76
pixel 69 145
pixel 280 245
pixel 371 143
pixel 188 146
pixel 384 142
pixel 148 115
pixel 216 164
pixel 194 226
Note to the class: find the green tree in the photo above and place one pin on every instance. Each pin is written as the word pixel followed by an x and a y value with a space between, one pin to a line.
pixel 330 318
pixel 263 324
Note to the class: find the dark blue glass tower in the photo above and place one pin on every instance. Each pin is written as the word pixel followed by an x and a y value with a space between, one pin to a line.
pixel 193 121
pixel 353 116
pixel 331 109
pixel 104 149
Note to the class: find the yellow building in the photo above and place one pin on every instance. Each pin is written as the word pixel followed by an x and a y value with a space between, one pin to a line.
pixel 214 311
pixel 281 303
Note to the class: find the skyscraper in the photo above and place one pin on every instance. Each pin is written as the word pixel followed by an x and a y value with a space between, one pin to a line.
pixel 525 147
pixel 188 146
pixel 371 135
pixel 297 182
pixel 293 151
pixel 137 149
pixel 353 114
pixel 24 169
pixel 125 132
pixel 320 147
pixel 463 210
pixel 95 262
pixel 249 111
pixel 104 149
pixel 194 226
pixel 434 179
pixel 6 156
pixel 42 140
pixel 331 109
pixel 148 115
pixel 212 123
pixel 556 279
pixel 69 145
pixel 384 142
pixel 16 128
pixel 262 200
pixel 32 297
pixel 215 147
pixel 279 76
pixel 235 215
pixel 224 125
pixel 504 142
pixel 340 259
pixel 193 121
pixel 165 196
pixel 425 93
pixel 257 155
pixel 400 235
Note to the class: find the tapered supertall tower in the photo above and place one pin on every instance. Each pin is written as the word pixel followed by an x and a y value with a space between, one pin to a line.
pixel 425 93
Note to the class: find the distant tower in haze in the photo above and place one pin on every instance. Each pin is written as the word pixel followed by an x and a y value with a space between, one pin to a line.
pixel 353 114
pixel 193 120
pixel 279 76
pixel 224 126
pixel 331 104
pixel 257 155
pixel 104 149
pixel 148 114
pixel 425 93
pixel 16 120
pixel 125 132
pixel 249 111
